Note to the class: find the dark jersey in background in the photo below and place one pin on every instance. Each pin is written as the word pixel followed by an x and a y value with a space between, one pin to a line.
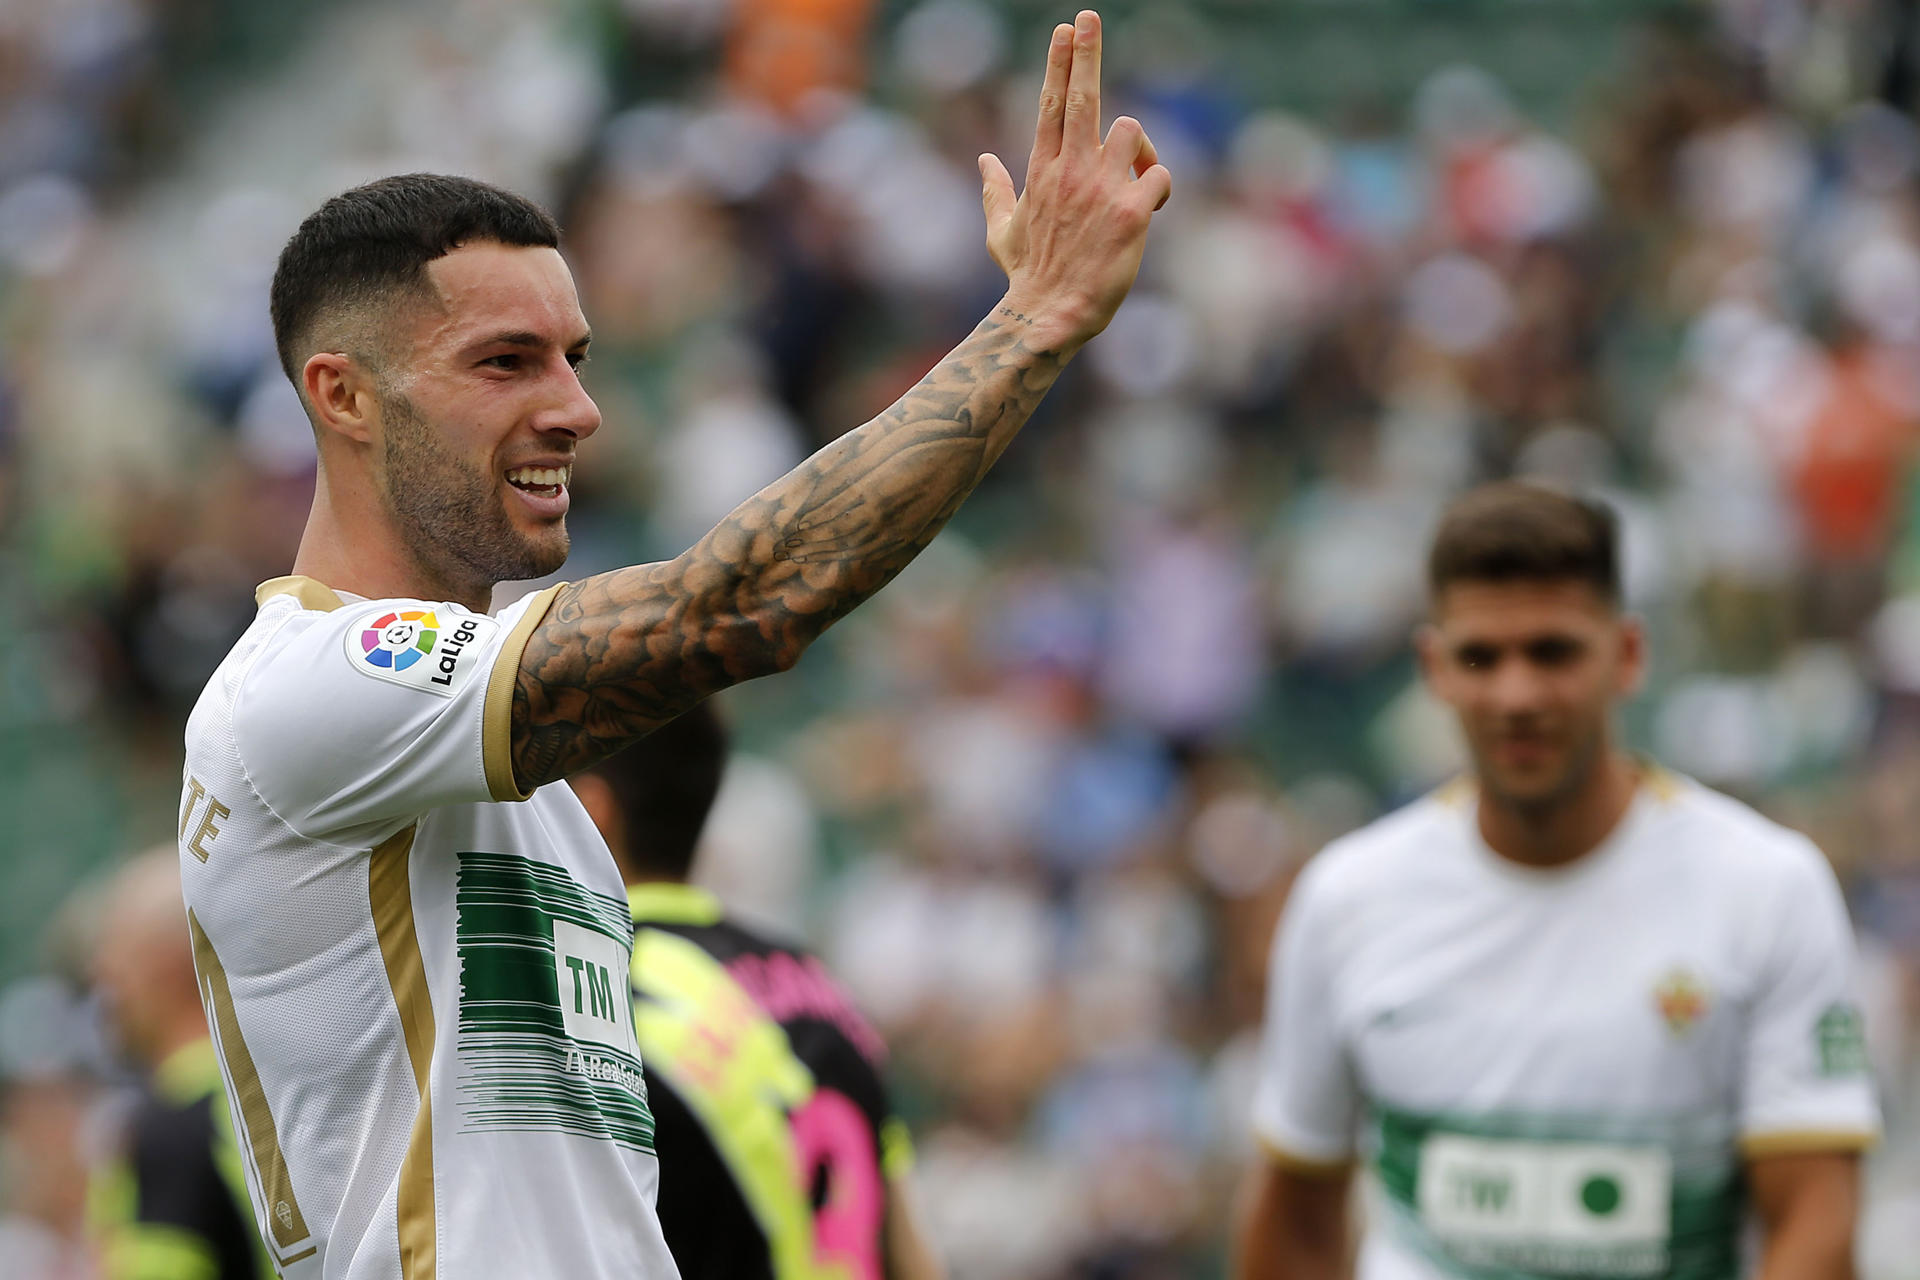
pixel 173 1205
pixel 772 1123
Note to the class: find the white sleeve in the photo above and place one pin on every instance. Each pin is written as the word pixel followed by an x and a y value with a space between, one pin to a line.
pixel 1807 1083
pixel 377 712
pixel 1306 1103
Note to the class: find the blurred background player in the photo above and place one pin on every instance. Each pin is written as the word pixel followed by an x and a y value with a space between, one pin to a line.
pixel 172 1203
pixel 1587 1010
pixel 780 1153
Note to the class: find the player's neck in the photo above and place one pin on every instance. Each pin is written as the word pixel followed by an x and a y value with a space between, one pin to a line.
pixel 361 553
pixel 1574 825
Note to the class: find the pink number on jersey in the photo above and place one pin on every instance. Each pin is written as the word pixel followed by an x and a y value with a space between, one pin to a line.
pixel 830 1131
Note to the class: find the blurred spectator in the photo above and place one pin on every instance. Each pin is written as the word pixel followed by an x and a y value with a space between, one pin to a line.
pixel 170 1200
pixel 48 1092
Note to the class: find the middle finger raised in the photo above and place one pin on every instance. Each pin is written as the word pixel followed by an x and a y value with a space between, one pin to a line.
pixel 1082 127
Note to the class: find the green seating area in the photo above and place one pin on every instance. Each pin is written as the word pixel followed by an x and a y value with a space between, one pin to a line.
pixel 1322 56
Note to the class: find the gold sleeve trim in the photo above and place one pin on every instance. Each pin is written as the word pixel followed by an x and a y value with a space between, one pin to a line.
pixel 1303 1165
pixel 285 1226
pixel 390 894
pixel 496 733
pixel 311 594
pixel 1807 1142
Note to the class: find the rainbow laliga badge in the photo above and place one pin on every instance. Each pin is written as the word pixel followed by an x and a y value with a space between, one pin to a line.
pixel 419 648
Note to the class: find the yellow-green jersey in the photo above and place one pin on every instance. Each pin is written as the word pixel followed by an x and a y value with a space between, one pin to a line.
pixel 172 1202
pixel 777 1142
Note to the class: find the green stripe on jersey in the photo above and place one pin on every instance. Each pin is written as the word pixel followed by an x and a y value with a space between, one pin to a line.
pixel 1516 1196
pixel 546 1032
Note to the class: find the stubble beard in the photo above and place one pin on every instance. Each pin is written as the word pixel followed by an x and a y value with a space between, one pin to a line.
pixel 1538 806
pixel 453 516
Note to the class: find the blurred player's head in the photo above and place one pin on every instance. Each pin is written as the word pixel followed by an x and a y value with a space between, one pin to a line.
pixel 1527 641
pixel 433 332
pixel 142 961
pixel 651 800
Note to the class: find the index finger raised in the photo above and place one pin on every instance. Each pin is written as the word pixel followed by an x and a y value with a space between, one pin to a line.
pixel 1053 94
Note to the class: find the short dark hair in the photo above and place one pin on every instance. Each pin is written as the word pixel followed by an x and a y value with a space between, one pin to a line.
pixel 374 240
pixel 664 785
pixel 1514 531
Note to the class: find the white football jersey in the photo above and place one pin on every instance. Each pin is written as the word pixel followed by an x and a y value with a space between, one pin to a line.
pixel 1559 1072
pixel 415 975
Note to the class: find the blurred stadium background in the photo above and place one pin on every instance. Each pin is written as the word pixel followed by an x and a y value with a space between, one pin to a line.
pixel 1040 801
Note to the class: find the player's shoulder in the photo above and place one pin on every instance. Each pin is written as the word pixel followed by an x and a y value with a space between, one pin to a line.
pixel 213 711
pixel 311 640
pixel 1388 849
pixel 723 935
pixel 293 612
pixel 751 935
pixel 793 986
pixel 1729 836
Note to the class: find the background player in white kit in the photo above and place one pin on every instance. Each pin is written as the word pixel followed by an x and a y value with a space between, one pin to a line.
pixel 413 981
pixel 1578 1013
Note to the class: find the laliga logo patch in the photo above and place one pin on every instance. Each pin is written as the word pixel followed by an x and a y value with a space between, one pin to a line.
pixel 398 640
pixel 416 648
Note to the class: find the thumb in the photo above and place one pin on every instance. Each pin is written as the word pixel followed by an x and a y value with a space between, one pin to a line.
pixel 996 192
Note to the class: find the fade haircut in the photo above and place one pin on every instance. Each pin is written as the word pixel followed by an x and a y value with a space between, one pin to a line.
pixel 665 785
pixel 1513 531
pixel 366 245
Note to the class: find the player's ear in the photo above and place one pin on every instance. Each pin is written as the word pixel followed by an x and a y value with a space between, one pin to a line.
pixel 339 389
pixel 1426 648
pixel 1633 654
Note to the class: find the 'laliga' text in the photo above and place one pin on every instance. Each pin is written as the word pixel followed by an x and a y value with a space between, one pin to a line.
pixel 450 651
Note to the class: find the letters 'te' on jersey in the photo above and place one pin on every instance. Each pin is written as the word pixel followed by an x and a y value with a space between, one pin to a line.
pixel 412 972
pixel 1560 1071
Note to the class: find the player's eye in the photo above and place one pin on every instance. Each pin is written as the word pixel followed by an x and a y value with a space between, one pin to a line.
pixel 508 362
pixel 578 359
pixel 1477 657
pixel 1555 651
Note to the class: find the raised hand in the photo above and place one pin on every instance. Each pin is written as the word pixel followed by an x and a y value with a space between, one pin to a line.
pixel 621 653
pixel 1071 242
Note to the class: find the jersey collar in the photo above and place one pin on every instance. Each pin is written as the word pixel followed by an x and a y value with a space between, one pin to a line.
pixel 664 902
pixel 1656 780
pixel 311 593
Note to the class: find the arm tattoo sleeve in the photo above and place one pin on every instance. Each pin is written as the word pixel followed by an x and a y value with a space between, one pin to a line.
pixel 622 653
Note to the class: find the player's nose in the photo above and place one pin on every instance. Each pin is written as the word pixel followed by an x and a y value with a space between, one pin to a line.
pixel 1516 687
pixel 572 412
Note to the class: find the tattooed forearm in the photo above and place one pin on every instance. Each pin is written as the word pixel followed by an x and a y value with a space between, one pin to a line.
pixel 622 653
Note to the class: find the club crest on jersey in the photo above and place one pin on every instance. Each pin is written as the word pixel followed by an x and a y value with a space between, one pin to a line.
pixel 1682 1001
pixel 418 648
pixel 1841 1036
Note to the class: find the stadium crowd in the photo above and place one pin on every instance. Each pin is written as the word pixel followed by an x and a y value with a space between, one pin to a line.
pixel 1040 803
